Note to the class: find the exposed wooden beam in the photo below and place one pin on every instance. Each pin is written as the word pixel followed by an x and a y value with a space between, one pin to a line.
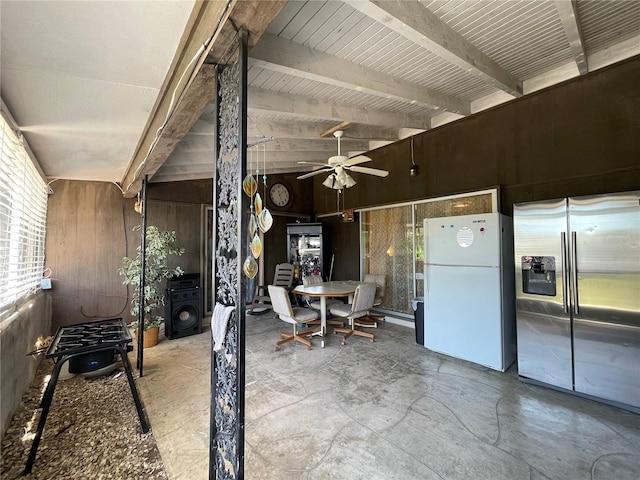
pixel 205 143
pixel 341 126
pixel 261 100
pixel 179 177
pixel 186 159
pixel 211 30
pixel 286 129
pixel 191 174
pixel 259 127
pixel 418 24
pixel 568 12
pixel 281 55
pixel 265 127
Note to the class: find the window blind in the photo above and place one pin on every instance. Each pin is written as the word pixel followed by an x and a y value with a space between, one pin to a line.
pixel 23 216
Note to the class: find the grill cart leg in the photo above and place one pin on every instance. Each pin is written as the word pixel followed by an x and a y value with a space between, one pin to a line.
pixel 134 390
pixel 45 404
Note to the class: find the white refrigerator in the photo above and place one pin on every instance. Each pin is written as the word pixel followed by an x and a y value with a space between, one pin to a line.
pixel 469 310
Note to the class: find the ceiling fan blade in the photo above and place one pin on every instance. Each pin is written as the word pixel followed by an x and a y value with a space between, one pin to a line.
pixel 356 160
pixel 370 171
pixel 315 172
pixel 314 163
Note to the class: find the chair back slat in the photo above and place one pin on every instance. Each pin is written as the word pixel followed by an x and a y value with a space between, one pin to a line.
pixel 284 275
pixel 312 280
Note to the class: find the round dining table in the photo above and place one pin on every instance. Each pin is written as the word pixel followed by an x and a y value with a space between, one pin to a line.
pixel 326 290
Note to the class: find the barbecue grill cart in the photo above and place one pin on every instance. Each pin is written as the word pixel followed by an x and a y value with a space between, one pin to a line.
pixel 87 347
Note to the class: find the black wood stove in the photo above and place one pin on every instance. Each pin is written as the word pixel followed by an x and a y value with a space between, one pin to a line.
pixel 87 347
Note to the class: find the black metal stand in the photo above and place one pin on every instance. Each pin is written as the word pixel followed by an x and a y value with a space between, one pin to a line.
pixel 45 404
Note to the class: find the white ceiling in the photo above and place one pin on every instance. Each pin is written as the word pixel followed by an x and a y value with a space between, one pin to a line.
pixel 81 77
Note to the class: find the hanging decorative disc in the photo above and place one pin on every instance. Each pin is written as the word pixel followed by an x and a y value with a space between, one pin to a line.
pixel 256 246
pixel 253 224
pixel 249 185
pixel 257 202
pixel 265 220
pixel 250 267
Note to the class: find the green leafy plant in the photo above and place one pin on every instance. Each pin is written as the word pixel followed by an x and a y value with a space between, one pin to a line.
pixel 160 244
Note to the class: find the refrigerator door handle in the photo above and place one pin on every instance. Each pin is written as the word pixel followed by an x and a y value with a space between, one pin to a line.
pixel 563 247
pixel 574 273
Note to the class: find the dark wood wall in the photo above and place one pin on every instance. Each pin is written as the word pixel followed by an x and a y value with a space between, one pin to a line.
pixel 299 210
pixel 578 138
pixel 88 233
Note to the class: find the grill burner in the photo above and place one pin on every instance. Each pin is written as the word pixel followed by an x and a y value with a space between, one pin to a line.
pixel 87 337
pixel 86 345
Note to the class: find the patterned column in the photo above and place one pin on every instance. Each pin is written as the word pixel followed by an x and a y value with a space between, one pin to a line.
pixel 226 455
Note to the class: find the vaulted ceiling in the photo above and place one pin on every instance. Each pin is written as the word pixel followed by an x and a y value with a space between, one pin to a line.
pixel 90 83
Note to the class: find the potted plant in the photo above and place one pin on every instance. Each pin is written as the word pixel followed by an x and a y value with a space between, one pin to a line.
pixel 160 244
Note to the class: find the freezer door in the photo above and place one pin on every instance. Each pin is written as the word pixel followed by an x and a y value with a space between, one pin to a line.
pixel 543 321
pixel 605 242
pixel 468 240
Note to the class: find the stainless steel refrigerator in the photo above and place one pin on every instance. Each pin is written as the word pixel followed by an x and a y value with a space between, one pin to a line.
pixel 578 295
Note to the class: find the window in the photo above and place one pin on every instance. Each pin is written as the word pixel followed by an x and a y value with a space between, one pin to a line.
pixel 23 215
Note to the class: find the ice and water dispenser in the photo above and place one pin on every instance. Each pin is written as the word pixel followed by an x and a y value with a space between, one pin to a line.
pixel 539 275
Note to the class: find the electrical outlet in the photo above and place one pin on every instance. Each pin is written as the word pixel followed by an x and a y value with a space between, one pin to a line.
pixel 45 284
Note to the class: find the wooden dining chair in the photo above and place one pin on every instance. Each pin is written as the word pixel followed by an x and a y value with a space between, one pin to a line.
pixel 363 299
pixel 293 315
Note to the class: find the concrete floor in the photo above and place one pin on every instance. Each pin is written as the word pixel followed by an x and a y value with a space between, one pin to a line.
pixel 384 410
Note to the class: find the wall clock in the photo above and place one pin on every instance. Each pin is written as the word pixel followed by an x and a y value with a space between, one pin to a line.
pixel 280 195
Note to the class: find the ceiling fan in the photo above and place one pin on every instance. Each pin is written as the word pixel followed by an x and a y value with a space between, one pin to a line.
pixel 339 164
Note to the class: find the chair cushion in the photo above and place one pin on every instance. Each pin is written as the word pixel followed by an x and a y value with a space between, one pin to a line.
pixel 303 315
pixel 344 310
pixel 341 310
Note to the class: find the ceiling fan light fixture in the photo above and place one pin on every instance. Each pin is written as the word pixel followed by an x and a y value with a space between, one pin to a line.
pixel 332 181
pixel 348 181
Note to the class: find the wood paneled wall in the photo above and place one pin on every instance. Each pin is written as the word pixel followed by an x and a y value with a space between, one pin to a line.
pixel 88 234
pixel 89 231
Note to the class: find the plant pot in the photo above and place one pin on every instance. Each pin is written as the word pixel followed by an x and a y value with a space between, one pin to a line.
pixel 150 337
